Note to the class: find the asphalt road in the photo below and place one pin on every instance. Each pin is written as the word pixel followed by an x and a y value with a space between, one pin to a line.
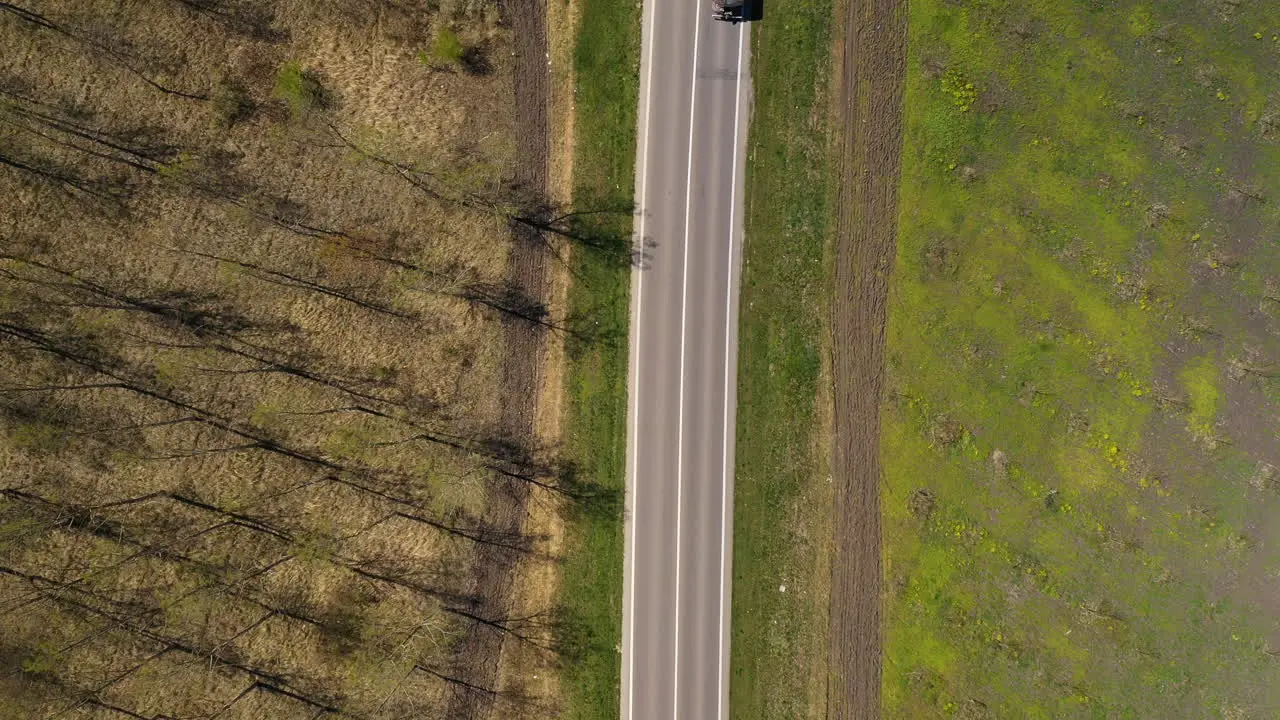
pixel 694 98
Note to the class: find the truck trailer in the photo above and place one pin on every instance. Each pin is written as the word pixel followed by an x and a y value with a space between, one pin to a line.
pixel 730 11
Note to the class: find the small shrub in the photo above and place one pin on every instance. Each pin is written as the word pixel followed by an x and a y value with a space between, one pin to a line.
pixel 940 259
pixel 999 464
pixel 1053 500
pixel 572 638
pixel 1265 477
pixel 962 92
pixel 344 625
pixel 921 503
pixel 43 663
pixel 447 48
pixel 299 89
pixel 1269 126
pixel 38 437
pixel 945 431
pixel 231 103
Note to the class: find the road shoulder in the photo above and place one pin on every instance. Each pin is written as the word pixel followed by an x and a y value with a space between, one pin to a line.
pixel 606 51
pixel 782 496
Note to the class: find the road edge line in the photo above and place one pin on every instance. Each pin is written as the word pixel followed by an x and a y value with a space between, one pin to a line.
pixel 729 377
pixel 632 484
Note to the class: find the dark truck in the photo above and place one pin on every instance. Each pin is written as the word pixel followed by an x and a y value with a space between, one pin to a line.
pixel 735 11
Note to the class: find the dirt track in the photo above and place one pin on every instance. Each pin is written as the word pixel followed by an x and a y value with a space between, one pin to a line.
pixel 869 118
pixel 478 656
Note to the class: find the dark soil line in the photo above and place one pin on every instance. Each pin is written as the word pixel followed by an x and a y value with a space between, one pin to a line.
pixel 869 117
pixel 479 653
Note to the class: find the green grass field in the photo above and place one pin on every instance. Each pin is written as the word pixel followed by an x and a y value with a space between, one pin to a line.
pixel 1083 409
pixel 607 68
pixel 782 532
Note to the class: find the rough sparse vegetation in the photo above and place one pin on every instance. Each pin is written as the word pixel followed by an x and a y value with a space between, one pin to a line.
pixel 1097 318
pixel 254 312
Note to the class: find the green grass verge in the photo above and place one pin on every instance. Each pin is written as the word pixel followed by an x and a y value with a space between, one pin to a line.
pixel 607 68
pixel 782 497
pixel 1076 492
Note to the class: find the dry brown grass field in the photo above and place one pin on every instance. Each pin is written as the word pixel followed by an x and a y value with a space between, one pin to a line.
pixel 254 312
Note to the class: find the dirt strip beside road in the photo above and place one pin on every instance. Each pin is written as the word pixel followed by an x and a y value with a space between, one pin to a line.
pixel 479 653
pixel 869 120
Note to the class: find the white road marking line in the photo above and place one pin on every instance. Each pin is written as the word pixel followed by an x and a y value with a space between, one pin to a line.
pixel 684 294
pixel 728 336
pixel 630 579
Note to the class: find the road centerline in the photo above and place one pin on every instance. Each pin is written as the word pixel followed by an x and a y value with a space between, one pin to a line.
pixel 684 294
